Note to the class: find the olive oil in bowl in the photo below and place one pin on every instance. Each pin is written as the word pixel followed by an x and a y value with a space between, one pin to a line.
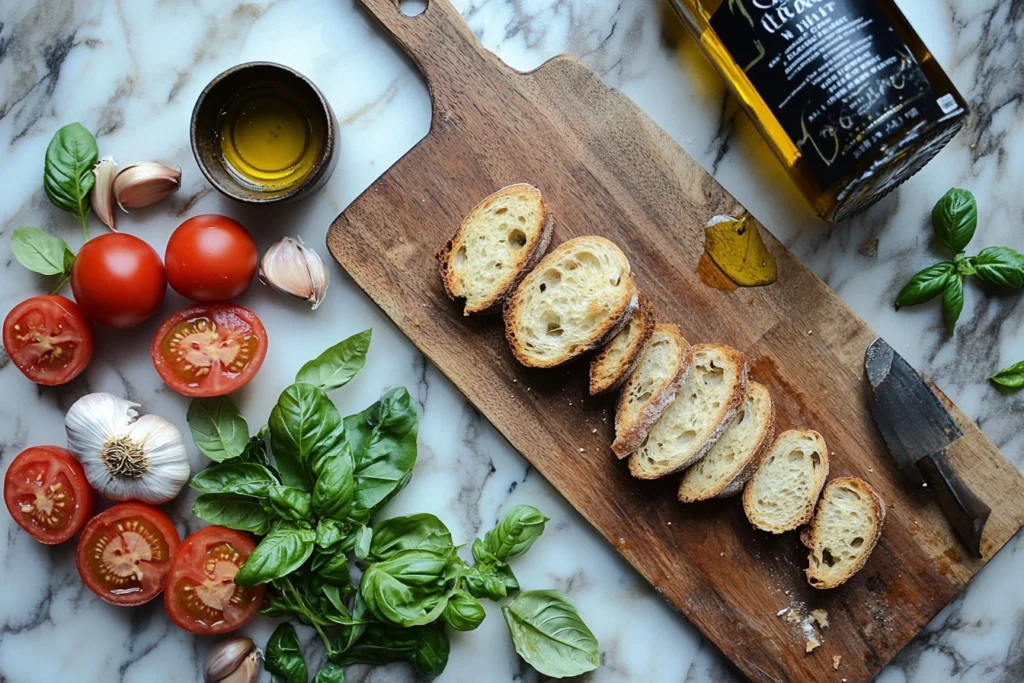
pixel 263 133
pixel 270 138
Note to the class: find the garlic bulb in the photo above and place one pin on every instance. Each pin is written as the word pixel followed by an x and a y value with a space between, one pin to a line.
pixel 232 660
pixel 126 458
pixel 291 267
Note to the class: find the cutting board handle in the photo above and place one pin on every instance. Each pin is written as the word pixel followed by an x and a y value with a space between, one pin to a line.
pixel 440 43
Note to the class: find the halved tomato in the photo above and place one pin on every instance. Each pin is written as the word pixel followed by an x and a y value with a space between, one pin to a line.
pixel 201 595
pixel 210 349
pixel 48 339
pixel 125 552
pixel 47 494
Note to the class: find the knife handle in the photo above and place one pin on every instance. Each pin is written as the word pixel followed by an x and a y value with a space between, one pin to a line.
pixel 964 510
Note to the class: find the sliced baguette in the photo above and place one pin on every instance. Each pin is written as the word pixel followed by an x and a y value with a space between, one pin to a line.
pixel 732 461
pixel 577 298
pixel 701 411
pixel 650 389
pixel 782 493
pixel 844 531
pixel 496 244
pixel 610 366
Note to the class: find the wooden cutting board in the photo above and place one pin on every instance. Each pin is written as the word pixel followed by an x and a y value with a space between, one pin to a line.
pixel 605 168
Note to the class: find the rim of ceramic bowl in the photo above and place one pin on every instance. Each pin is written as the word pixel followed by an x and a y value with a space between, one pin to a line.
pixel 323 165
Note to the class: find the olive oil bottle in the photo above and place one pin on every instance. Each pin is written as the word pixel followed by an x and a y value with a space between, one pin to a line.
pixel 270 137
pixel 844 92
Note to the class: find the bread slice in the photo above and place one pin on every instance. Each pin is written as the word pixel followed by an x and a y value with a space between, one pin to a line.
pixel 610 367
pixel 650 389
pixel 701 411
pixel 577 298
pixel 500 240
pixel 844 531
pixel 732 461
pixel 781 495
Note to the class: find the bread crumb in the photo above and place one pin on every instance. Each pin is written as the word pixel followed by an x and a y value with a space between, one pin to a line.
pixel 670 523
pixel 812 644
pixel 835 662
pixel 820 617
pixel 581 450
pixel 782 611
pixel 515 381
pixel 793 617
pixel 594 430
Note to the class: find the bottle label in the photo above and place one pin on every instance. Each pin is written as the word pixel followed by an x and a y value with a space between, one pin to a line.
pixel 835 74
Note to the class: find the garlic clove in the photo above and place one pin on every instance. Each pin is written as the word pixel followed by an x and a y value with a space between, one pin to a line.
pixel 291 267
pixel 233 660
pixel 103 190
pixel 145 183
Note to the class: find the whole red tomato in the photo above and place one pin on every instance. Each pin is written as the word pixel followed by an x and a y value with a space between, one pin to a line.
pixel 118 280
pixel 210 258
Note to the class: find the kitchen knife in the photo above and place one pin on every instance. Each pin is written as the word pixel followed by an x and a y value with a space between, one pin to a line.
pixel 918 429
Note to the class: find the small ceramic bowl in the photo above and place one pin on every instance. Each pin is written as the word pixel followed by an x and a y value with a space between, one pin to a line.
pixel 204 132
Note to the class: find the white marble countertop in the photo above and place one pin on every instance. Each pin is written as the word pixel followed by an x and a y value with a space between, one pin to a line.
pixel 131 71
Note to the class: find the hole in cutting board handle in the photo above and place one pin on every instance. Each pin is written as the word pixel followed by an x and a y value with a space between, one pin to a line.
pixel 412 8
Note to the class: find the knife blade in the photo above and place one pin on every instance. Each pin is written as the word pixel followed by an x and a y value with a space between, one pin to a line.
pixel 917 429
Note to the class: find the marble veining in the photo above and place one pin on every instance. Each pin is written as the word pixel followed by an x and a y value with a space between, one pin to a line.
pixel 130 71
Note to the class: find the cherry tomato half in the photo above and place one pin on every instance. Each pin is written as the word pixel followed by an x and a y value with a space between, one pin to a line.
pixel 210 258
pixel 48 339
pixel 125 552
pixel 47 494
pixel 201 595
pixel 210 349
pixel 118 280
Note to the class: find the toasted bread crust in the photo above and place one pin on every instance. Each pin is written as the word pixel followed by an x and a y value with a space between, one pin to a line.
pixel 809 536
pixel 600 385
pixel 739 480
pixel 532 253
pixel 748 503
pixel 629 438
pixel 611 327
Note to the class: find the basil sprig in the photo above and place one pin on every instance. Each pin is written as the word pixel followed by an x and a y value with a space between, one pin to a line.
pixel 313 503
pixel 955 220
pixel 68 171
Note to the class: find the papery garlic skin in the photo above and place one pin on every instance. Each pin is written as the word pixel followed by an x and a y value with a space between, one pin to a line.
pixel 291 267
pixel 125 458
pixel 144 184
pixel 233 660
pixel 102 195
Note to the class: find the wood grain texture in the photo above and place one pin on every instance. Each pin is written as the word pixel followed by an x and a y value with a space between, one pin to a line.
pixel 605 168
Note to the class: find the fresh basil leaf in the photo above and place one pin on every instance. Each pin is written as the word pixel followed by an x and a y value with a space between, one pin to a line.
pixel 407 589
pixel 1000 266
pixel 330 673
pixel 332 567
pixel 425 647
pixel 283 655
pixel 329 534
pixel 955 218
pixel 288 503
pixel 952 302
pixel 341 614
pixel 41 252
pixel 1011 377
pixel 549 634
pixel 364 538
pixel 483 585
pixel 336 366
pixel 335 484
pixel 383 441
pixel 67 173
pixel 233 511
pixel 361 619
pixel 219 430
pixel 423 531
pixel 281 552
pixel 514 535
pixel 304 426
pixel 926 284
pixel 244 478
pixel 256 450
pixel 463 612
